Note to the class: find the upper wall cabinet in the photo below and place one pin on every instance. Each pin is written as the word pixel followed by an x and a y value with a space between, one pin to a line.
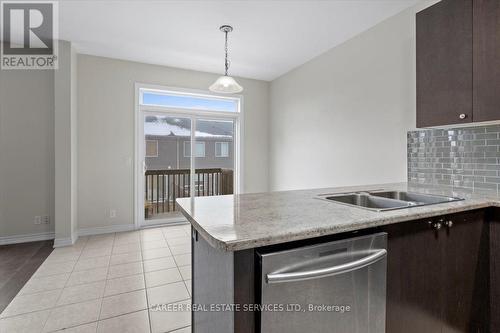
pixel 486 60
pixel 458 62
pixel 444 63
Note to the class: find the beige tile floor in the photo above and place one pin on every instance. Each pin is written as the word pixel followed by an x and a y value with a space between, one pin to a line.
pixel 108 283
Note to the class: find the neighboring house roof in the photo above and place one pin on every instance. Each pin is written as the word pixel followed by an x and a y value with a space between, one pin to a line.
pixel 166 129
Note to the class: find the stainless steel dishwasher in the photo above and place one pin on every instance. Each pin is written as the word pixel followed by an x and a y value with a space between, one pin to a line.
pixel 336 287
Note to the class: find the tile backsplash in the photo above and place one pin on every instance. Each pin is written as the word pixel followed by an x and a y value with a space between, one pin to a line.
pixel 460 157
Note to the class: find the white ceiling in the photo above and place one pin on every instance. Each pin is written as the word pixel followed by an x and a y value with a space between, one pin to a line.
pixel 270 37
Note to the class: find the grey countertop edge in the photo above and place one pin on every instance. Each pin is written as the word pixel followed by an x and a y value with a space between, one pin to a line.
pixel 216 243
pixel 431 211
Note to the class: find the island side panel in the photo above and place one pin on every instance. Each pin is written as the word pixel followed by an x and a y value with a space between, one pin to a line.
pixel 494 220
pixel 213 283
pixel 244 291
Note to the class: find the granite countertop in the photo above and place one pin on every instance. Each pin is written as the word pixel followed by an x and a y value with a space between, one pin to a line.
pixel 244 221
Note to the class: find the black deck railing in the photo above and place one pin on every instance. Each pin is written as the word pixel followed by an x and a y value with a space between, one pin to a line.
pixel 162 187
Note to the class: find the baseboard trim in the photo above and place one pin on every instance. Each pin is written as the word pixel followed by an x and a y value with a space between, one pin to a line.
pixel 105 230
pixel 60 242
pixel 6 240
pixel 167 223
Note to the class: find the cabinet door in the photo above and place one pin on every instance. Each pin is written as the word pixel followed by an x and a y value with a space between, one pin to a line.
pixel 444 63
pixel 414 293
pixel 486 60
pixel 466 273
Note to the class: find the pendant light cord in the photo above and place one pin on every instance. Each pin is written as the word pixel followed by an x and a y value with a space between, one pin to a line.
pixel 226 64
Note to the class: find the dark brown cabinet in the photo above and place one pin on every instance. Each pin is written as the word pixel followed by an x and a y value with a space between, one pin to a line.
pixel 458 62
pixel 444 63
pixel 494 264
pixel 486 60
pixel 437 280
pixel 414 274
pixel 465 273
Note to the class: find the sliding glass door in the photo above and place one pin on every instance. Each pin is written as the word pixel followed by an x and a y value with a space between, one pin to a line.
pixel 214 160
pixel 184 153
pixel 167 169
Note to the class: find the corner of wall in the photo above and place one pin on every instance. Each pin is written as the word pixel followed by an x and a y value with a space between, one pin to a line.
pixel 65 146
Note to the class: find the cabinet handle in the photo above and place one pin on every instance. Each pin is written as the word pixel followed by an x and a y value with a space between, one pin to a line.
pixel 449 224
pixel 437 225
pixel 462 116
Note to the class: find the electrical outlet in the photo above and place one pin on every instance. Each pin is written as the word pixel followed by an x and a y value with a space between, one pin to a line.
pixel 112 213
pixel 38 220
pixel 45 219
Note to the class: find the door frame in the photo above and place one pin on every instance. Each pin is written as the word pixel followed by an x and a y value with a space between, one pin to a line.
pixel 139 154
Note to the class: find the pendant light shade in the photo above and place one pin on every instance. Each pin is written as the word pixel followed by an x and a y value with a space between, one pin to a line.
pixel 226 84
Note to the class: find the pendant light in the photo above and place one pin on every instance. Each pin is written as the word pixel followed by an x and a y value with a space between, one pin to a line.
pixel 226 84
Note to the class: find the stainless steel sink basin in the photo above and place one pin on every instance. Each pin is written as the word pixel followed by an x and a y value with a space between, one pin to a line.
pixel 427 199
pixel 367 201
pixel 386 200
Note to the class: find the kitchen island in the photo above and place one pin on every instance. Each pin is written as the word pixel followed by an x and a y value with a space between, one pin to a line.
pixel 229 231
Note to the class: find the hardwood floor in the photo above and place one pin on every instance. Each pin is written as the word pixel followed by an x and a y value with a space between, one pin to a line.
pixel 18 262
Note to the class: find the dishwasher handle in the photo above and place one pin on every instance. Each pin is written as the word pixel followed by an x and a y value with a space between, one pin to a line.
pixel 329 271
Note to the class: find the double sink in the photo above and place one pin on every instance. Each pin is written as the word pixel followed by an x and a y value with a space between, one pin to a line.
pixel 380 201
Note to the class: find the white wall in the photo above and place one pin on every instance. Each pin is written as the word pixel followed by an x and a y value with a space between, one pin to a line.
pixel 26 151
pixel 342 118
pixel 106 133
